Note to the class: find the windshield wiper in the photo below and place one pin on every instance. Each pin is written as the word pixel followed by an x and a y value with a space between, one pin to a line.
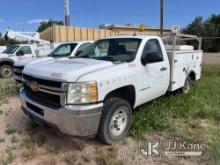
pixel 111 59
pixel 105 58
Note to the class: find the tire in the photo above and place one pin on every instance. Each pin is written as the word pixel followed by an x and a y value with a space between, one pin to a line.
pixel 115 120
pixel 6 71
pixel 187 86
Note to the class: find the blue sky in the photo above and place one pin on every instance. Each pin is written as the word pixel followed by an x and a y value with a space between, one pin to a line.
pixel 26 14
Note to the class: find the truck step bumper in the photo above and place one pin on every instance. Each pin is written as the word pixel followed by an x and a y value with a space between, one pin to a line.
pixel 82 123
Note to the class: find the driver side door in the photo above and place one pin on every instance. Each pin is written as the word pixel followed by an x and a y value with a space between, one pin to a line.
pixel 155 73
pixel 25 52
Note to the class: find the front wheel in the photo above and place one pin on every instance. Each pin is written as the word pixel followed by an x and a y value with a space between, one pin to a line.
pixel 6 71
pixel 115 121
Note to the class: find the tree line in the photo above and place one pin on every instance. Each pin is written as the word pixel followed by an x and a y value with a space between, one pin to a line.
pixel 208 29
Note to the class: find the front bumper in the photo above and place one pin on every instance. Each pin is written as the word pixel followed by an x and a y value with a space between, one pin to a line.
pixel 80 121
pixel 18 79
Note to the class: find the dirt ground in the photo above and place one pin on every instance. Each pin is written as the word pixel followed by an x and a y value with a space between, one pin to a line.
pixel 23 143
pixel 211 58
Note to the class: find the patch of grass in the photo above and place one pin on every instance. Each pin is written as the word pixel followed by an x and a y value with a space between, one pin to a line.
pixel 53 146
pixel 10 130
pixel 31 128
pixel 14 139
pixel 10 157
pixel 78 144
pixel 202 102
pixel 105 160
pixel 29 151
pixel 216 152
pixel 2 140
pixel 51 161
pixel 40 139
pixel 70 158
pixel 1 111
pixel 108 157
pixel 180 115
pixel 29 154
pixel 86 158
pixel 28 143
pixel 8 88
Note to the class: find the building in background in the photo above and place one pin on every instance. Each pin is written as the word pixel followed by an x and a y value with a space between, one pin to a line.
pixel 63 34
pixel 131 29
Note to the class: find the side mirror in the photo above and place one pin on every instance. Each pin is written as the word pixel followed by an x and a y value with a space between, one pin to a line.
pixel 78 53
pixel 20 53
pixel 152 57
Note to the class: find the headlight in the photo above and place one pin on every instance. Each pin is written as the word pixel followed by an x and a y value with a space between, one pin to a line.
pixel 82 93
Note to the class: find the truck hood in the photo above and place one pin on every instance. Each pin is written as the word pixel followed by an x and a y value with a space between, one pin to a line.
pixel 67 70
pixel 32 61
pixel 4 55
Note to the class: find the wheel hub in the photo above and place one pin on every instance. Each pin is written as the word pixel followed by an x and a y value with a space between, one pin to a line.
pixel 118 122
pixel 6 72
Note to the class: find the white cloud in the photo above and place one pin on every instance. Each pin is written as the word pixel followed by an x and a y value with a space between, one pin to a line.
pixel 36 21
pixel 1 20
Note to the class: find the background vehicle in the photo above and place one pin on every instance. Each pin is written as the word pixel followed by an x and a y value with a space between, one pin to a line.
pixel 33 47
pixel 13 54
pixel 70 49
pixel 95 93
pixel 2 48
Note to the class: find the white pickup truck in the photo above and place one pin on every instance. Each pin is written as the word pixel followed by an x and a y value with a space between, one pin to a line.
pixel 95 93
pixel 12 54
pixel 64 50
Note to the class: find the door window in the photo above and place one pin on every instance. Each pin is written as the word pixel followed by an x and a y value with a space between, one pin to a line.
pixel 152 51
pixel 82 48
pixel 25 50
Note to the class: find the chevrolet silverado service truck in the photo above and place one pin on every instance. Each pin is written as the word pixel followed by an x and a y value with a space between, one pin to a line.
pixel 62 51
pixel 14 53
pixel 95 93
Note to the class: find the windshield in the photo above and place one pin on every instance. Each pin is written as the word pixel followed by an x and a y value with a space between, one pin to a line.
pixel 118 49
pixel 10 49
pixel 63 50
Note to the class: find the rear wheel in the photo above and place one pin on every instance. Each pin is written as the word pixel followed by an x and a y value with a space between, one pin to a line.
pixel 187 86
pixel 115 121
pixel 6 71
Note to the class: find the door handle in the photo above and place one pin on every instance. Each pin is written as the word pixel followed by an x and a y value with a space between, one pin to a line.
pixel 163 69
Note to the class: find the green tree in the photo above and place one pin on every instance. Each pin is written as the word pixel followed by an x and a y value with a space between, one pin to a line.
pixel 212 29
pixel 44 25
pixel 4 42
pixel 208 29
pixel 195 28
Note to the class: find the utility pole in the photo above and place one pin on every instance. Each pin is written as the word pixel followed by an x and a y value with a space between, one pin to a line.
pixel 67 12
pixel 161 16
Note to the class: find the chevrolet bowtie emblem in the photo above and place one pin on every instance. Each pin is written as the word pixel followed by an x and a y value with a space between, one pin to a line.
pixel 34 86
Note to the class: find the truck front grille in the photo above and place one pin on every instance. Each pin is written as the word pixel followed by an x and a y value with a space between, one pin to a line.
pixel 49 83
pixel 46 92
pixel 43 97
